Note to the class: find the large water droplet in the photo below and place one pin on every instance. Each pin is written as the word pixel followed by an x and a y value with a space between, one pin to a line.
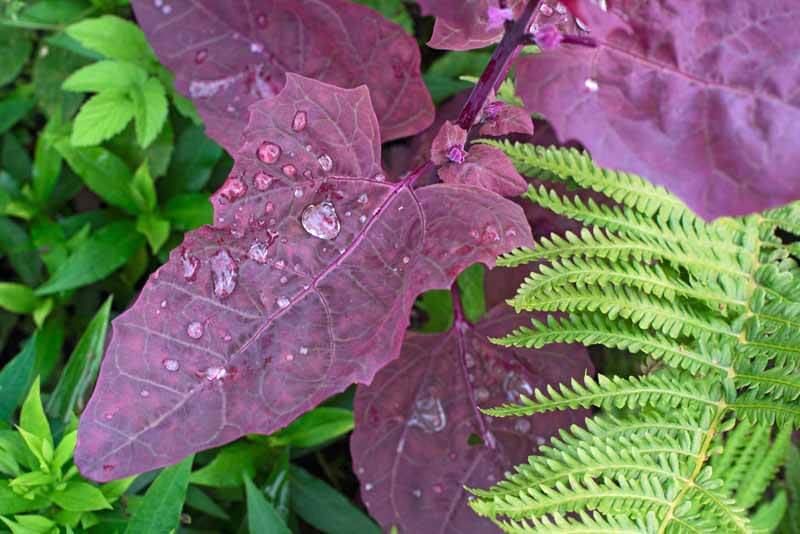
pixel 268 152
pixel 258 252
pixel 428 415
pixel 320 220
pixel 262 180
pixel 190 266
pixel 215 373
pixel 289 170
pixel 234 188
pixel 325 162
pixel 300 121
pixel 516 386
pixel 225 273
pixel 171 365
pixel 195 330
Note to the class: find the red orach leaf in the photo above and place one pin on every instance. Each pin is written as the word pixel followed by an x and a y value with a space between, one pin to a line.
pixel 499 119
pixel 701 99
pixel 227 55
pixel 488 168
pixel 303 286
pixel 417 440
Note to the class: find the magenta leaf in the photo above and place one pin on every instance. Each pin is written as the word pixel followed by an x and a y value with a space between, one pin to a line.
pixel 303 286
pixel 499 119
pixel 419 438
pixel 227 55
pixel 488 168
pixel 701 99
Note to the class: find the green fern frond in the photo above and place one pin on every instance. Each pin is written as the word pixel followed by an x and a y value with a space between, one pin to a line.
pixel 584 524
pixel 762 470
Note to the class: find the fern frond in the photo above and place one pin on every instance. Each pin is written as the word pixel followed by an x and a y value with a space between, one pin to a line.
pixel 658 390
pixel 787 218
pixel 763 469
pixel 584 524
pixel 759 408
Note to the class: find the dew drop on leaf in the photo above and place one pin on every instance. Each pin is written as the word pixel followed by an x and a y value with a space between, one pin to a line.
pixel 363 198
pixel 298 193
pixel 144 393
pixel 522 425
pixel 262 180
pixel 261 20
pixel 320 220
pixel 282 302
pixel 516 386
pixel 225 273
pixel 171 365
pixel 325 162
pixel 437 488
pixel 233 189
pixel 200 56
pixel 268 152
pixel 428 415
pixel 481 394
pixel 289 170
pixel 300 121
pixel 258 252
pixel 303 350
pixel 215 373
pixel 195 330
pixel 592 85
pixel 190 265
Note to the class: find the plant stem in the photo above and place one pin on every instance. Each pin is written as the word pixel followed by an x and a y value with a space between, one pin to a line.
pixel 498 66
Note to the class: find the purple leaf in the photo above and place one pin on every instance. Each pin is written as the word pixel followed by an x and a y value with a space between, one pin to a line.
pixel 414 446
pixel 303 286
pixel 468 24
pixel 499 119
pixel 227 55
pixel 488 168
pixel 701 99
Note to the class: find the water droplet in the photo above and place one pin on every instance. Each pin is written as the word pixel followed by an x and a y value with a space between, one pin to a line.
pixel 546 10
pixel 284 279
pixel 225 273
pixel 303 350
pixel 362 219
pixel 289 357
pixel 406 259
pixel 298 193
pixel 289 170
pixel 282 302
pixel 234 188
pixel 325 162
pixel 300 121
pixel 592 85
pixel 109 416
pixel 171 365
pixel 481 394
pixel 163 304
pixel 200 56
pixel 368 486
pixel 158 3
pixel 268 152
pixel 216 373
pixel 320 220
pixel 144 393
pixel 195 330
pixel 428 415
pixel 453 456
pixel 456 154
pixel 437 488
pixel 516 386
pixel 522 425
pixel 262 180
pixel 363 198
pixel 261 20
pixel 167 9
pixel 417 493
pixel 540 440
pixel 256 48
pixel 190 266
pixel 258 252
pixel 379 177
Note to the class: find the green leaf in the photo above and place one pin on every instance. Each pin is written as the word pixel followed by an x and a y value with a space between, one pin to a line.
pixel 12 503
pixel 201 502
pixel 470 285
pixel 54 11
pixel 231 463
pixel 102 116
pixel 325 508
pixel 438 307
pixel 188 211
pixel 150 110
pixel 49 341
pixel 18 248
pixel 17 298
pixel 80 497
pixel 103 253
pixel 16 378
pixel 193 162
pixel 50 69
pixel 160 510
pixel 261 516
pixel 82 366
pixel 12 109
pixel 30 524
pixel 65 449
pixel 105 75
pixel 443 76
pixel 15 48
pixel 394 10
pixel 277 488
pixel 154 228
pixel 15 158
pixel 47 162
pixel 157 155
pixel 102 172
pixel 115 489
pixel 112 37
pixel 316 427
pixel 144 191
pixel 32 418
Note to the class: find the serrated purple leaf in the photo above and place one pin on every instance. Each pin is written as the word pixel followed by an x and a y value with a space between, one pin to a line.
pixel 416 442
pixel 499 119
pixel 227 55
pixel 700 97
pixel 303 286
